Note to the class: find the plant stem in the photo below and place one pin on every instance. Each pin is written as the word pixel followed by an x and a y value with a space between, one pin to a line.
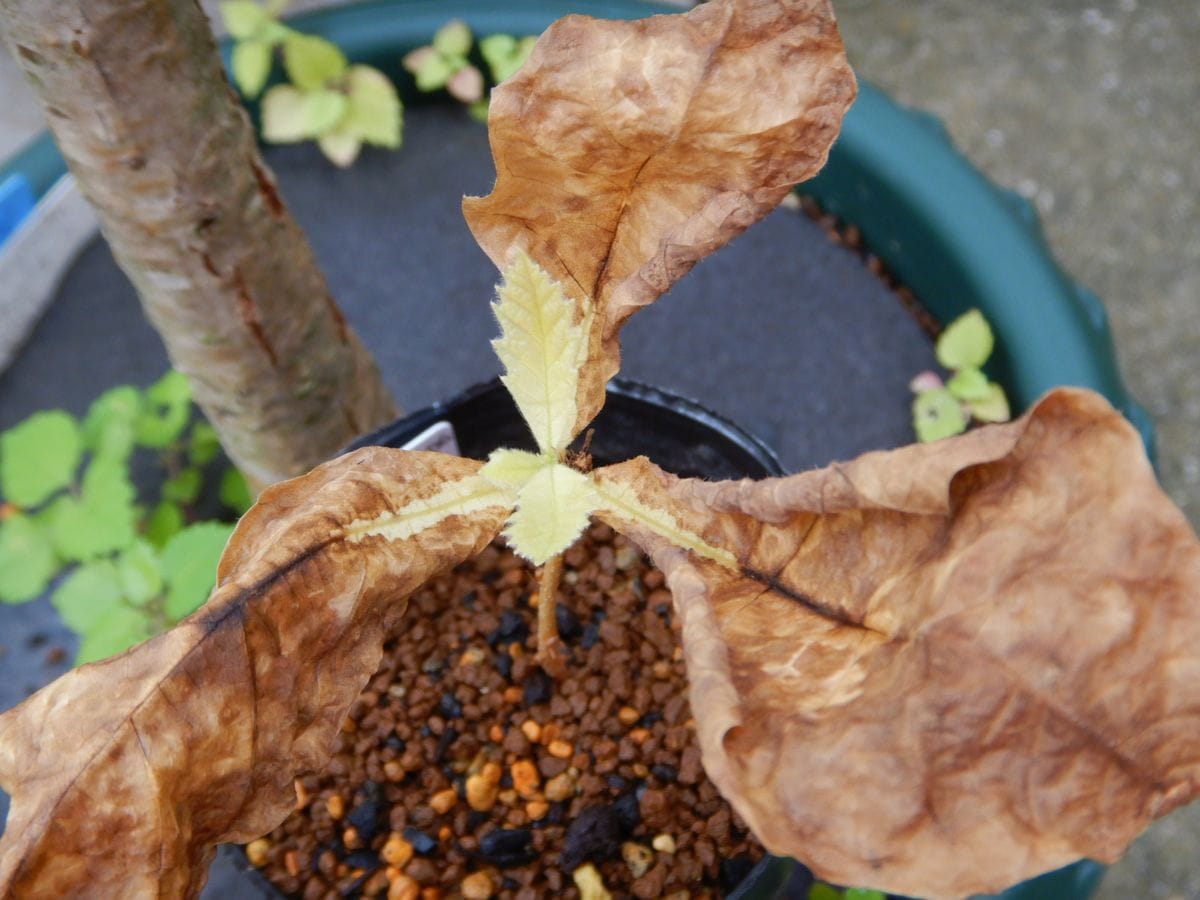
pixel 549 646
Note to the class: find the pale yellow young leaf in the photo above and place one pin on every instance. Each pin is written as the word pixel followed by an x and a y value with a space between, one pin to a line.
pixel 512 469
pixel 618 502
pixel 340 146
pixel 542 347
pixel 456 498
pixel 552 509
pixel 283 115
pixel 375 114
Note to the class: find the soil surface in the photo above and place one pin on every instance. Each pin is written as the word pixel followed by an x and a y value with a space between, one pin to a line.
pixel 464 767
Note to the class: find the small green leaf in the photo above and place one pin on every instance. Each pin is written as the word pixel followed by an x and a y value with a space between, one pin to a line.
pixel 415 59
pixel 322 111
pixel 433 74
pixel 821 891
pixel 99 522
pixel 274 34
pixel 312 62
pixel 340 147
pixel 234 492
pixel 203 444
pixel 864 894
pixel 966 343
pixel 453 39
pixel 189 565
pixel 164 523
pixel 183 488
pixel 108 428
pixel 138 573
pixel 375 109
pixel 251 64
pixel 937 415
pixel 479 111
pixel 283 117
pixel 497 50
pixel 166 410
pixel 969 384
pixel 993 407
pixel 118 629
pixel 244 18
pixel 504 54
pixel 38 457
pixel 27 559
pixel 87 594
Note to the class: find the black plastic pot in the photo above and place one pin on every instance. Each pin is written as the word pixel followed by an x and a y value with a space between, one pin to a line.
pixel 677 434
pixel 682 437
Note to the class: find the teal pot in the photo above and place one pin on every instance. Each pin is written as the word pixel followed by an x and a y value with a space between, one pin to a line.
pixel 946 232
pixel 957 241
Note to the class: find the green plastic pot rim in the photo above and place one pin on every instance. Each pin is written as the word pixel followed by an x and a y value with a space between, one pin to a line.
pixel 940 226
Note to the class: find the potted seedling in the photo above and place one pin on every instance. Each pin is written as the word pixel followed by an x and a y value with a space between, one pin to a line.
pixel 936 670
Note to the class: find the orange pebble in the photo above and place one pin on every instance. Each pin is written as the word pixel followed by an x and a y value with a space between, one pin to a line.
pixel 443 801
pixel 562 749
pixel 403 888
pixel 639 735
pixel 496 734
pixel 627 715
pixel 397 851
pixel 336 807
pixel 532 730
pixel 512 694
pixel 525 777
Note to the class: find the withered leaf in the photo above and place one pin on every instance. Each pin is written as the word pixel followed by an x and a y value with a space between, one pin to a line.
pixel 944 669
pixel 627 151
pixel 125 773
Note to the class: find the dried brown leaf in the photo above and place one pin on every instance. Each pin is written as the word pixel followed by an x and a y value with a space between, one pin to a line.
pixel 125 773
pixel 946 668
pixel 627 151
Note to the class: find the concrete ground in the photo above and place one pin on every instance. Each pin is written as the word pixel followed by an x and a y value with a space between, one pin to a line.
pixel 1089 108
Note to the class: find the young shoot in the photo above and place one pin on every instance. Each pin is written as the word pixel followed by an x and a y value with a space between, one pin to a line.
pixel 945 408
pixel 340 106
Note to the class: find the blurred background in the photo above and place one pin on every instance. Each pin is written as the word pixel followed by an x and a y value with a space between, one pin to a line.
pixel 1090 111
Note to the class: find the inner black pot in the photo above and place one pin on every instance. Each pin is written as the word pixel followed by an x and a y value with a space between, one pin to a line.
pixel 677 434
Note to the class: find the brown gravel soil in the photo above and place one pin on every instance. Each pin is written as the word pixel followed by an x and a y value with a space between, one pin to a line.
pixel 465 771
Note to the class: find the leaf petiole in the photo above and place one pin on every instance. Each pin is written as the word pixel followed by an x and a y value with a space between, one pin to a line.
pixel 549 646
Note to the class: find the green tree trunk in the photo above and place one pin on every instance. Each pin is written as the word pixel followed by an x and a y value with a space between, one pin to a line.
pixel 137 100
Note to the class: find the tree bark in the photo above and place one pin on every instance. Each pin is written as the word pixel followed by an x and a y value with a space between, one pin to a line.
pixel 138 102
